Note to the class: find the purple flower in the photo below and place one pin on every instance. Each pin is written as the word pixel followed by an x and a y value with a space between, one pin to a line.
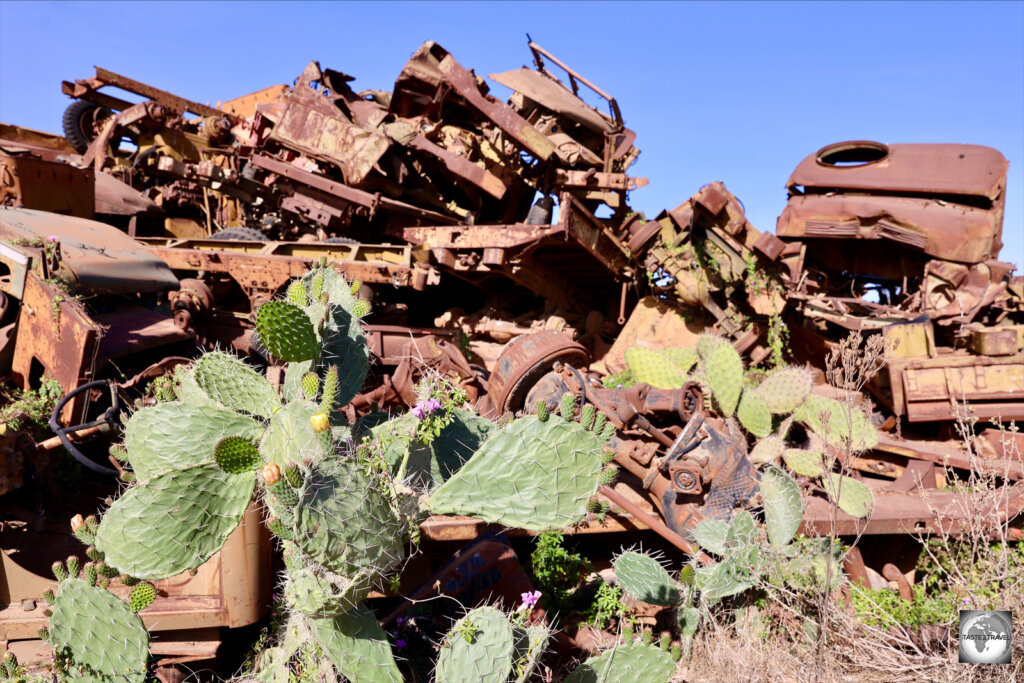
pixel 53 238
pixel 529 600
pixel 399 620
pixel 400 644
pixel 424 408
pixel 964 601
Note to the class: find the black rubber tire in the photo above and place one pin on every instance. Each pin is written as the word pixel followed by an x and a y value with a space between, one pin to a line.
pixel 239 234
pixel 77 135
pixel 340 240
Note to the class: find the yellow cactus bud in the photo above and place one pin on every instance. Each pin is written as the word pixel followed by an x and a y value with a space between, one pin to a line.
pixel 271 473
pixel 320 422
pixel 77 522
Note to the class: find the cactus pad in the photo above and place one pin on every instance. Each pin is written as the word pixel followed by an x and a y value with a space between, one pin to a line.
pixel 286 331
pixel 804 463
pixel 174 521
pixel 784 389
pixel 753 413
pixel 765 450
pixel 312 593
pixel 710 535
pixel 783 509
pixel 723 580
pixel 345 524
pixel 357 645
pixel 479 648
pixel 645 579
pixel 655 368
pixel 290 439
pixel 723 370
pixel 142 596
pixel 361 309
pixel 237 454
pixel 232 383
pixel 174 435
pixel 838 423
pixel 853 497
pixel 529 474
pixel 630 662
pixel 310 386
pixel 99 632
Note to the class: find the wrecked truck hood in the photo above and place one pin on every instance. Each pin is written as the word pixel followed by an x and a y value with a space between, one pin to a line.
pixel 102 258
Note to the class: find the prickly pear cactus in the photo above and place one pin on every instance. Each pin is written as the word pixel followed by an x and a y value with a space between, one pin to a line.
pixel 804 463
pixel 231 383
pixel 530 643
pixel 173 521
pixel 710 535
pixel 753 413
pixel 173 435
pixel 765 450
pixel 357 645
pixel 784 389
pixel 630 662
pixel 783 509
pixel 479 647
pixel 428 465
pixel 658 367
pixel 728 577
pixel 723 371
pixel 96 635
pixel 237 455
pixel 645 579
pixel 290 439
pixel 142 596
pixel 530 474
pixel 318 594
pixel 837 423
pixel 853 497
pixel 286 331
pixel 345 524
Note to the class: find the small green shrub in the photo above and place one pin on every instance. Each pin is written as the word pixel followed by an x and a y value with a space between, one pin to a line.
pixel 607 604
pixel 884 607
pixel 556 572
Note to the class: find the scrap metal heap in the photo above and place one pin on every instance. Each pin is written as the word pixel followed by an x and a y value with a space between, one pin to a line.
pixel 441 201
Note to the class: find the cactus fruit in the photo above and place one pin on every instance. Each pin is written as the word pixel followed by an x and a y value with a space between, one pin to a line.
pixel 73 565
pixel 529 474
pixel 723 369
pixel 783 509
pixel 278 528
pixel 195 509
pixel 853 497
pixel 330 389
pixel 654 367
pixel 59 572
pixel 627 633
pixel 232 383
pixel 687 575
pixel 542 411
pixel 97 631
pixel 587 416
pixel 236 455
pixel 804 463
pixel 486 656
pixel 645 579
pixel 753 413
pixel 567 406
pixel 361 309
pixel 664 642
pixel 784 389
pixel 676 652
pixel 142 596
pixel 173 435
pixel 768 449
pixel 90 574
pixel 319 422
pixel 271 474
pixel 357 645
pixel 286 331
pixel 310 386
pixel 630 662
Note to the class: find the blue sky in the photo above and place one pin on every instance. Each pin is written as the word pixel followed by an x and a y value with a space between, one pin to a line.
pixel 737 92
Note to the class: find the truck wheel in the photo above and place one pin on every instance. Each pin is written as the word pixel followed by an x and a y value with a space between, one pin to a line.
pixel 78 122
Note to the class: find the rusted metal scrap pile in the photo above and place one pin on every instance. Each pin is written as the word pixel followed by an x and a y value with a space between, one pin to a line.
pixel 442 201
